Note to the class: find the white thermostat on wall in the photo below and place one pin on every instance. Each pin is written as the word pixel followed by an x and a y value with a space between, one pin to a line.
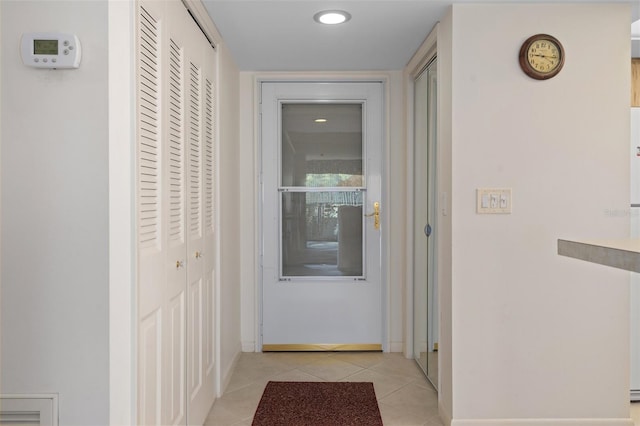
pixel 51 50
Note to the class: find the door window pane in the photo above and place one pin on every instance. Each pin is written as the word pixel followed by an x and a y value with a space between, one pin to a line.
pixel 321 145
pixel 322 234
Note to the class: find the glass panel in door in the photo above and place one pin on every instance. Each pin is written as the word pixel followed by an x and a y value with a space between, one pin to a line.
pixel 322 190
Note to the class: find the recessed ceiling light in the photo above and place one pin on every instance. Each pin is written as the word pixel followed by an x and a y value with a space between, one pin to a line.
pixel 320 120
pixel 332 17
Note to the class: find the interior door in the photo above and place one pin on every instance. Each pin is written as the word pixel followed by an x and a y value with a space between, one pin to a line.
pixel 175 100
pixel 322 213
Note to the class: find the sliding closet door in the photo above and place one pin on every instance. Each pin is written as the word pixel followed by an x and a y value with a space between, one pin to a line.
pixel 175 193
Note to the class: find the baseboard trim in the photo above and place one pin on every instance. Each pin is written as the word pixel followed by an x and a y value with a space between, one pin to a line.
pixel 444 415
pixel 396 347
pixel 543 422
pixel 226 375
pixel 248 346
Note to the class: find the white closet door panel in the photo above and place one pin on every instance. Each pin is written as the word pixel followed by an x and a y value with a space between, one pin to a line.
pixel 148 174
pixel 150 369
pixel 195 367
pixel 200 145
pixel 162 275
pixel 176 361
pixel 150 236
pixel 174 193
pixel 208 326
pixel 210 146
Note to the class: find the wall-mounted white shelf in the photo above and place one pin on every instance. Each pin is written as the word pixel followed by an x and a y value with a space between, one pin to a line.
pixel 622 254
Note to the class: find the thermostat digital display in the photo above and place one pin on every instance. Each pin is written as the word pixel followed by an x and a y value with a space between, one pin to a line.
pixel 51 50
pixel 45 47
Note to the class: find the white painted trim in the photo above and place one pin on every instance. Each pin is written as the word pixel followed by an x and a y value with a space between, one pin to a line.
pixel 385 267
pixel 444 416
pixel 122 257
pixel 424 54
pixel 543 422
pixel 217 285
pixel 46 404
pixel 396 347
pixel 256 104
pixel 201 15
pixel 248 346
pixel 408 300
pixel 1 122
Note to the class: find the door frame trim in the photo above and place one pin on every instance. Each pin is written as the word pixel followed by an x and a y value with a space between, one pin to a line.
pixel 385 260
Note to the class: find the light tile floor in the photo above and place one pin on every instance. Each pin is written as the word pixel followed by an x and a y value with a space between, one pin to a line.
pixel 404 395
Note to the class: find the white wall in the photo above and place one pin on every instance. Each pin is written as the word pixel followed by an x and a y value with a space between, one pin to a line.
pixel 395 159
pixel 248 212
pixel 54 271
pixel 229 206
pixel 533 334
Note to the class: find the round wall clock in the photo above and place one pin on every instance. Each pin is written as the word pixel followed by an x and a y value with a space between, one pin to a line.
pixel 541 56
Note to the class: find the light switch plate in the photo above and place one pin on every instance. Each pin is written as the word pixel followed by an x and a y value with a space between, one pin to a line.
pixel 493 200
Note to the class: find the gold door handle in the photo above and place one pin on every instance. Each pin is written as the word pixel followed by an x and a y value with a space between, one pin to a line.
pixel 179 264
pixel 376 215
pixel 199 254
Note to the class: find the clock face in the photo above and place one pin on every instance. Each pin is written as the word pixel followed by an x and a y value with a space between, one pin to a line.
pixel 541 56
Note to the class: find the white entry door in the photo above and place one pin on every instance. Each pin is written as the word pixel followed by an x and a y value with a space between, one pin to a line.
pixel 322 212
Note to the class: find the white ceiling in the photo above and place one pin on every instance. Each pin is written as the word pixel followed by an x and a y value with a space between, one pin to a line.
pixel 281 35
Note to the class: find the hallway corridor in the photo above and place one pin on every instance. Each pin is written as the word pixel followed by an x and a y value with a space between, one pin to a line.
pixel 404 395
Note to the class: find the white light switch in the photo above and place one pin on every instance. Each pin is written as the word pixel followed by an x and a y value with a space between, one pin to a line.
pixel 493 200
pixel 485 201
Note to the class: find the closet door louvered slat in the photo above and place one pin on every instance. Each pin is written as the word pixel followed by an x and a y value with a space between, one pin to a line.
pixel 175 191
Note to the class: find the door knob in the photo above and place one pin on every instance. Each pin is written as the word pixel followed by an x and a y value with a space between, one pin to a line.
pixel 375 215
pixel 427 230
pixel 179 264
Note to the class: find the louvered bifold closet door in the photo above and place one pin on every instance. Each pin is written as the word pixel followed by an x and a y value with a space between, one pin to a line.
pixel 175 316
pixel 200 65
pixel 150 216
